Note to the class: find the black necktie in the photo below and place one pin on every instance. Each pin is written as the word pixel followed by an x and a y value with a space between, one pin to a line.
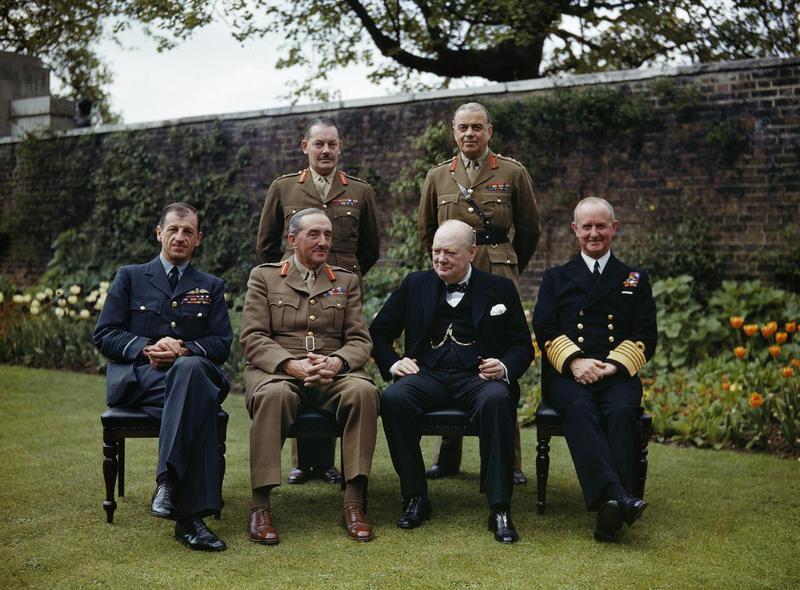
pixel 173 278
pixel 596 272
pixel 457 287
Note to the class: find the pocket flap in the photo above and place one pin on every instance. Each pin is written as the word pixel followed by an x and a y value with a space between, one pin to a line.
pixel 282 299
pixel 502 255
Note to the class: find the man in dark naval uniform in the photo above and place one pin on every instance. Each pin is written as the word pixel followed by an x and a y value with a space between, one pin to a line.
pixel 494 195
pixel 595 320
pixel 165 329
pixel 466 344
pixel 349 203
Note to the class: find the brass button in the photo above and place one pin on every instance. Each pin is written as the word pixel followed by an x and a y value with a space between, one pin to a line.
pixel 312 317
pixel 338 305
pixel 311 333
pixel 349 213
pixel 443 202
pixel 610 317
pixel 174 304
pixel 324 206
pixel 580 326
pixel 173 324
pixel 508 261
pixel 200 314
pixel 280 301
pixel 141 308
pixel 470 209
pixel 499 200
pixel 610 326
pixel 355 266
pixel 580 338
pixel 294 210
pixel 611 339
pixel 580 312
pixel 470 191
pixel 312 301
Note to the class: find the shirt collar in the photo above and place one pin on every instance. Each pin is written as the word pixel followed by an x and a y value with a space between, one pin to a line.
pixel 481 160
pixel 603 260
pixel 317 177
pixel 168 265
pixel 302 268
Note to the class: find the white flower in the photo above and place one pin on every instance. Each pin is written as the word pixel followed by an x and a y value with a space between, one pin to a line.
pixel 48 291
pixel 92 297
pixel 75 289
pixel 104 285
pixel 27 298
pixel 59 292
pixel 41 296
pixel 62 302
pixel 59 311
pixel 73 299
pixel 17 298
pixel 35 310
pixel 35 304
pixel 72 313
pixel 2 297
pixel 85 315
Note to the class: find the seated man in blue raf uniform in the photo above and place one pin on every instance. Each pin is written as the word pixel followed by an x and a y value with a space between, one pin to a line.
pixel 466 343
pixel 595 320
pixel 165 329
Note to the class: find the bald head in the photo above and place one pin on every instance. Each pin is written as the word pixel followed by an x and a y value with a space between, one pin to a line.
pixel 594 225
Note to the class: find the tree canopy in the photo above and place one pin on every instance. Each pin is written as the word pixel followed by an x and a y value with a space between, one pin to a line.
pixel 499 40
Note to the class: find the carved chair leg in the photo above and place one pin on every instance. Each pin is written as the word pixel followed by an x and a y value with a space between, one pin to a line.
pixel 121 470
pixel 110 466
pixel 542 466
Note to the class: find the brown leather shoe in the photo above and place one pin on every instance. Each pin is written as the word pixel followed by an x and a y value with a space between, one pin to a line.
pixel 356 523
pixel 261 528
pixel 296 476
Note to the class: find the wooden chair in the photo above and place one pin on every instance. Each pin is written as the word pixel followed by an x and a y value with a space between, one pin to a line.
pixel 121 423
pixel 548 424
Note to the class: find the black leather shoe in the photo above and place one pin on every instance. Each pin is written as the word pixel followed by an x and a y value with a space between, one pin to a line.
pixel 503 528
pixel 296 476
pixel 436 471
pixel 329 475
pixel 194 533
pixel 520 478
pixel 631 507
pixel 609 521
pixel 163 502
pixel 416 509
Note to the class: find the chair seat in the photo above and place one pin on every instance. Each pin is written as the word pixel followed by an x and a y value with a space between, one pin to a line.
pixel 447 421
pixel 314 424
pixel 135 418
pixel 547 416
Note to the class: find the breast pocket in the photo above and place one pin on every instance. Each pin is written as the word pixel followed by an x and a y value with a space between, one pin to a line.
pixel 194 319
pixel 345 224
pixel 447 208
pixel 333 313
pixel 145 317
pixel 497 206
pixel 283 309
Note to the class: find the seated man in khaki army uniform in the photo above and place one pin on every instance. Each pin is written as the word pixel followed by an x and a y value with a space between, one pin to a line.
pixel 306 343
pixel 493 194
pixel 350 205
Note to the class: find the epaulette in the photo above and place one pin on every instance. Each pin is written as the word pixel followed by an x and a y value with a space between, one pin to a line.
pixel 333 267
pixel 509 159
pixel 351 177
pixel 290 174
pixel 444 163
pixel 263 264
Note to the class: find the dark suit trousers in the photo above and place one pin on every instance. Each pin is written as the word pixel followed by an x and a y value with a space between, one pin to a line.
pixel 490 406
pixel 601 425
pixel 186 398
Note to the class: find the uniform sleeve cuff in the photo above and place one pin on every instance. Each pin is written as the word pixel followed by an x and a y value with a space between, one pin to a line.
pixel 560 350
pixel 629 355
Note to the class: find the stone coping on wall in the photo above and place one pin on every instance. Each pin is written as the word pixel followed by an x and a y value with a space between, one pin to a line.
pixel 560 81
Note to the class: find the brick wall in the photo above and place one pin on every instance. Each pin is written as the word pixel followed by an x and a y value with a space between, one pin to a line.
pixel 747 200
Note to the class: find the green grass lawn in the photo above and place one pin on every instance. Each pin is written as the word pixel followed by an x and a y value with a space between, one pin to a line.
pixel 716 519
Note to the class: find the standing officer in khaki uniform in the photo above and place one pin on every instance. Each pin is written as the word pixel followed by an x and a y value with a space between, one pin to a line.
pixel 350 205
pixel 306 343
pixel 494 195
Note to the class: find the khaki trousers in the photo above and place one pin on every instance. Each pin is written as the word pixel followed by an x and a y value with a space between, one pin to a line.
pixel 273 407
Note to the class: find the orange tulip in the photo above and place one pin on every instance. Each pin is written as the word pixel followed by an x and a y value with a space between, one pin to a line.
pixel 772 326
pixel 740 351
pixel 780 337
pixel 790 327
pixel 795 363
pixel 787 372
pixel 750 329
pixel 774 350
pixel 726 386
pixel 767 330
pixel 755 400
pixel 737 322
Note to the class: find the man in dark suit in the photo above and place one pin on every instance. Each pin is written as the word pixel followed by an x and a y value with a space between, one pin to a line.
pixel 595 320
pixel 466 344
pixel 165 329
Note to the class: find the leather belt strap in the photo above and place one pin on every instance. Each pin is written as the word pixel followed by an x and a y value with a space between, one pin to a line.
pixel 492 236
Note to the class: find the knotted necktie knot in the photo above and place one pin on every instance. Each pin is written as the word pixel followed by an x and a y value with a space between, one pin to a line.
pixel 457 287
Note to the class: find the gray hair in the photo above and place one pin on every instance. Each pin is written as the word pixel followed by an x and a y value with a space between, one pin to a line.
pixel 322 122
pixel 296 222
pixel 474 106
pixel 592 201
pixel 458 227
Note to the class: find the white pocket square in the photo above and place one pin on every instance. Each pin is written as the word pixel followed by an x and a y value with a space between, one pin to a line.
pixel 498 309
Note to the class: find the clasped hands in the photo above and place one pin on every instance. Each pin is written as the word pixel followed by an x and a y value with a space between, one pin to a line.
pixel 315 369
pixel 164 352
pixel 490 369
pixel 587 371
